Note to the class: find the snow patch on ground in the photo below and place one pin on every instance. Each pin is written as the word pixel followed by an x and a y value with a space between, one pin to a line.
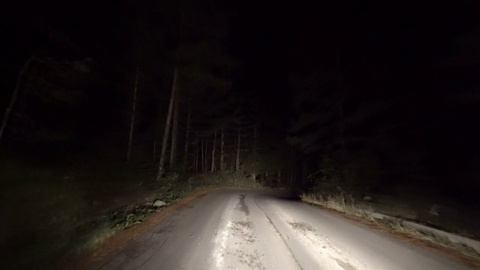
pixel 221 245
pixel 235 242
pixel 320 249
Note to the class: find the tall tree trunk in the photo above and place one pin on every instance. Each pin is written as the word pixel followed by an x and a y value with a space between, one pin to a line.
pixel 195 157
pixel 341 91
pixel 187 132
pixel 202 157
pixel 338 9
pixel 157 132
pixel 173 148
pixel 6 116
pixel 222 153
pixel 237 160
pixel 254 140
pixel 293 167
pixel 161 165
pixel 154 147
pixel 212 169
pixel 205 157
pixel 254 151
pixel 132 120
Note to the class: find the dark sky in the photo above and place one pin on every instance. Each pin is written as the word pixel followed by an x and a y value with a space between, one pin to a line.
pixel 378 34
pixel 270 32
pixel 274 39
pixel 389 42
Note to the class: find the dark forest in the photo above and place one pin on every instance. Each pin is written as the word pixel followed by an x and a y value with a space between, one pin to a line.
pixel 104 104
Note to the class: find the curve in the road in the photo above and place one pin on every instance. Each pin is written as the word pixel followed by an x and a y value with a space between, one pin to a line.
pixel 246 229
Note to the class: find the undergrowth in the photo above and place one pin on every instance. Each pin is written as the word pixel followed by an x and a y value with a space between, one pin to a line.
pixel 346 204
pixel 55 212
pixel 340 202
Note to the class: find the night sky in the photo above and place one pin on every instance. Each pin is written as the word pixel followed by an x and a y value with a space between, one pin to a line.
pixel 379 42
pixel 271 38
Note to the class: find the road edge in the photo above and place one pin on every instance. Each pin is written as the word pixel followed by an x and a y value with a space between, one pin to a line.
pixel 114 243
pixel 383 223
pixel 455 238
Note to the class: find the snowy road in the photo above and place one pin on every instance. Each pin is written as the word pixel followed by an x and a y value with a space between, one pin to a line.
pixel 245 229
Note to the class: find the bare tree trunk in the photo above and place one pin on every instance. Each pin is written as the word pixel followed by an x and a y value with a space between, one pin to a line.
pixel 15 95
pixel 293 167
pixel 167 126
pixel 132 120
pixel 339 77
pixel 222 153
pixel 254 140
pixel 341 91
pixel 205 157
pixel 202 157
pixel 173 148
pixel 254 151
pixel 237 163
pixel 195 157
pixel 154 147
pixel 157 131
pixel 212 169
pixel 187 135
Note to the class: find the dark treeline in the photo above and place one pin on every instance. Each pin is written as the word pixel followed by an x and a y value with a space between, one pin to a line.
pixel 106 106
pixel 385 98
pixel 105 103
pixel 143 83
pixel 381 94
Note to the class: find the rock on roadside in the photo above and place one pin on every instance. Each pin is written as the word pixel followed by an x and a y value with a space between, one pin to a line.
pixel 159 203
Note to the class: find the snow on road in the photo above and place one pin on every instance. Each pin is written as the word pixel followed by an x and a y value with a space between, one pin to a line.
pixel 245 229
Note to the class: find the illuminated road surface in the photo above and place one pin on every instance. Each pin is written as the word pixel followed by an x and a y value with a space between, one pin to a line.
pixel 235 229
